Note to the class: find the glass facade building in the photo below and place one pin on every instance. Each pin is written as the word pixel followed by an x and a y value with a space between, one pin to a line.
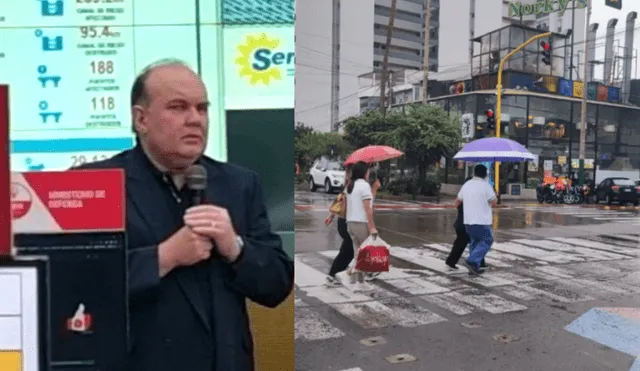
pixel 549 126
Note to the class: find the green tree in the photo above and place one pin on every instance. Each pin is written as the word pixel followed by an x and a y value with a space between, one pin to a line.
pixel 425 133
pixel 370 128
pixel 301 130
pixel 309 145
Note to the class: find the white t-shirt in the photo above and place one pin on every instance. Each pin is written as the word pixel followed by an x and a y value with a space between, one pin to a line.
pixel 475 195
pixel 355 201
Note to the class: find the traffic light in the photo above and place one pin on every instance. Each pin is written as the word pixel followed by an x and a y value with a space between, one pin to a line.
pixel 491 120
pixel 546 52
pixel 479 132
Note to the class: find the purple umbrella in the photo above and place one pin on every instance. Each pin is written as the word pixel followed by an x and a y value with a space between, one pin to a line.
pixel 494 149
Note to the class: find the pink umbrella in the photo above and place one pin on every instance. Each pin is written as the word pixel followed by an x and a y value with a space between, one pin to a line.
pixel 371 154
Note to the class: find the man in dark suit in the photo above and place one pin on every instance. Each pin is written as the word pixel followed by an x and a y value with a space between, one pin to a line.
pixel 191 267
pixel 461 241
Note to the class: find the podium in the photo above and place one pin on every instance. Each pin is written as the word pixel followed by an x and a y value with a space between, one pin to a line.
pixel 76 220
pixel 24 309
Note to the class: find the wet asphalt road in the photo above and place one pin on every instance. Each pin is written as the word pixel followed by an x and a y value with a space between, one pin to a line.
pixel 550 267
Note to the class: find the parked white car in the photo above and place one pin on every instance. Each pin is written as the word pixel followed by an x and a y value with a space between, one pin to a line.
pixel 326 173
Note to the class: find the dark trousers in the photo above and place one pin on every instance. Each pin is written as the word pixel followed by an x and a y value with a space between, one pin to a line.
pixel 345 255
pixel 460 243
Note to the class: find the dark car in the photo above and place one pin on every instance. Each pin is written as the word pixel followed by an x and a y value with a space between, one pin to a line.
pixel 621 190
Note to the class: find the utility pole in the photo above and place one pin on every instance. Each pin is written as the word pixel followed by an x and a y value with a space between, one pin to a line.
pixel 573 25
pixel 390 87
pixel 425 62
pixel 583 120
pixel 335 65
pixel 385 61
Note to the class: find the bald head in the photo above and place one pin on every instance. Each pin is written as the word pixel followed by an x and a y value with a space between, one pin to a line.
pixel 140 94
pixel 170 113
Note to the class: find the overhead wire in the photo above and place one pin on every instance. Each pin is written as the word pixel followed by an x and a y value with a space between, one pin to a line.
pixel 457 67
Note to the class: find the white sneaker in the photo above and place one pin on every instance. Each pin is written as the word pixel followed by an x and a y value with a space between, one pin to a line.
pixel 371 276
pixel 332 281
pixel 342 277
pixel 362 286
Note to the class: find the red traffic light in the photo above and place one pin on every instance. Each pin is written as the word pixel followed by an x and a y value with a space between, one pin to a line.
pixel 545 46
pixel 489 113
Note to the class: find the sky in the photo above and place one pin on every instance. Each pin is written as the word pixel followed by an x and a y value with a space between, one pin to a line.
pixel 601 14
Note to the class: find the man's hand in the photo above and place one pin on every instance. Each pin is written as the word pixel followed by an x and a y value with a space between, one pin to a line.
pixel 215 223
pixel 183 248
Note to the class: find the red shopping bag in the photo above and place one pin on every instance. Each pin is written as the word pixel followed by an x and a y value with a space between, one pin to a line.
pixel 373 256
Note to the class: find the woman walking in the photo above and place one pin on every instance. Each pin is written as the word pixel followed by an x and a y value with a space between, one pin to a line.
pixel 345 255
pixel 360 223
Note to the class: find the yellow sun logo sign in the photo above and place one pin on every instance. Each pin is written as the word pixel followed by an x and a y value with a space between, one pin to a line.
pixel 259 60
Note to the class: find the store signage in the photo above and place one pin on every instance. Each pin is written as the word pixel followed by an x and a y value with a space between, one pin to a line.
pixel 518 9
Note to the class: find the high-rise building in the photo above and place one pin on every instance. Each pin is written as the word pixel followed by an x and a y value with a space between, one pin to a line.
pixel 407 42
pixel 467 19
pixel 363 35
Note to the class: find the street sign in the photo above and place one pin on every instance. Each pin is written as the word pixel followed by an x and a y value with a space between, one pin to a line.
pixel 518 8
pixel 467 126
pixel 617 4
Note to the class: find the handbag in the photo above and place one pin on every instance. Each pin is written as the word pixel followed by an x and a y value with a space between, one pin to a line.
pixel 339 205
pixel 373 256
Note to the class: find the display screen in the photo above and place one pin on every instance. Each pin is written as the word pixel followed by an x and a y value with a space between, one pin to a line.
pixel 70 64
pixel 259 67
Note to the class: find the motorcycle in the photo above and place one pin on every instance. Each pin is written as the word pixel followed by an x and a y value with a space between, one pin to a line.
pixel 574 195
pixel 546 193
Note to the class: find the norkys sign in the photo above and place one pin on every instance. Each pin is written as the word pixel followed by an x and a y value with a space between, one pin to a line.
pixel 518 8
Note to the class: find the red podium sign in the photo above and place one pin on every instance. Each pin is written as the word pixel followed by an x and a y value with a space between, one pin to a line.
pixel 68 201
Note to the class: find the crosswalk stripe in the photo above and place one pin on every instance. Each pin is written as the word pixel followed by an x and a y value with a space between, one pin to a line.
pixel 616 218
pixel 353 369
pixel 496 258
pixel 614 252
pixel 489 302
pixel 573 247
pixel 393 273
pixel 309 325
pixel 534 253
pixel 497 279
pixel 543 290
pixel 379 308
pixel 416 257
pixel 630 237
pixel 493 261
pixel 416 286
pixel 449 304
pixel 305 275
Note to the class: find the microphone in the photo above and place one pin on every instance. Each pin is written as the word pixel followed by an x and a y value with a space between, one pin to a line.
pixel 197 182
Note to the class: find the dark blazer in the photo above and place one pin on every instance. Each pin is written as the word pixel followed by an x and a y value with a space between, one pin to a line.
pixel 168 325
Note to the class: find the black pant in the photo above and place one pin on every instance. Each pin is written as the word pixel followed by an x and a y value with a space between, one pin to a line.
pixel 461 242
pixel 345 255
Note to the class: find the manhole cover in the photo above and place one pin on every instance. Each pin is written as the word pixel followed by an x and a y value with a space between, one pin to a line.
pixel 373 341
pixel 400 358
pixel 505 338
pixel 471 324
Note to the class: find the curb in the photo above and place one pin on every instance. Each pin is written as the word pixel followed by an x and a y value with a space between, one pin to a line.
pixel 394 207
pixel 587 206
